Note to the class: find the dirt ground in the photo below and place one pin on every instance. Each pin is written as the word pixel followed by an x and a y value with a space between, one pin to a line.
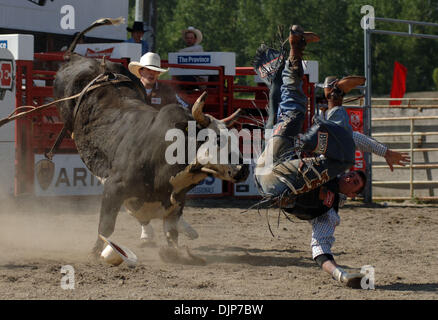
pixel 244 261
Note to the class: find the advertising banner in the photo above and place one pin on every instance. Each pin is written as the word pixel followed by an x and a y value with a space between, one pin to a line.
pixel 69 177
pixel 356 121
pixel 209 59
pixel 209 186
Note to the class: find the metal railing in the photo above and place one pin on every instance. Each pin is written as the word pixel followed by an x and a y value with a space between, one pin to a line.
pixel 412 182
pixel 368 31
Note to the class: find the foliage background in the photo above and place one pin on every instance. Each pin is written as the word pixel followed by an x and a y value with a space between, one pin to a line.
pixel 241 25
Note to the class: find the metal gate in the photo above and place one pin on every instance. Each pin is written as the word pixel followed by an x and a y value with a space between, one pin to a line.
pixel 368 31
pixel 410 127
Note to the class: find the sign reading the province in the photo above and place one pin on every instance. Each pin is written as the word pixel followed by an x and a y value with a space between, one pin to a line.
pixel 194 59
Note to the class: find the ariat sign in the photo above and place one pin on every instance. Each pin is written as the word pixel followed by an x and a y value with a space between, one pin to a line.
pixel 66 176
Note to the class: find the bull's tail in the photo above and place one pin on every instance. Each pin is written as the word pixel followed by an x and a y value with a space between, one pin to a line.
pixel 95 24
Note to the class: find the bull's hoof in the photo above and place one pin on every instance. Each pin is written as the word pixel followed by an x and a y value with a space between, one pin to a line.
pixel 94 254
pixel 180 256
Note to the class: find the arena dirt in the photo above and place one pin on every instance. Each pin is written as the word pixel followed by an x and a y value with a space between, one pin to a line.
pixel 244 261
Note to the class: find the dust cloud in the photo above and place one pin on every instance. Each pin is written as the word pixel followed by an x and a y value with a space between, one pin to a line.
pixel 48 228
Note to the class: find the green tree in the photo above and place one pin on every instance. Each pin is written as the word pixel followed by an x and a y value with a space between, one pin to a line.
pixel 241 25
pixel 435 77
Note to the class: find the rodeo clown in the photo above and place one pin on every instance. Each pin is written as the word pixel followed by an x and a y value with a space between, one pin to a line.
pixel 312 188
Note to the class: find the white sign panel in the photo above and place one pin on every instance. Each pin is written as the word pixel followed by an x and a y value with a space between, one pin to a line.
pixel 20 45
pixel 64 16
pixel 311 68
pixel 211 59
pixel 208 186
pixel 7 131
pixel 7 91
pixel 71 178
pixel 7 170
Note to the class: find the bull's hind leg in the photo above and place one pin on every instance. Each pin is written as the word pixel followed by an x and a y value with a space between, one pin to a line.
pixel 111 203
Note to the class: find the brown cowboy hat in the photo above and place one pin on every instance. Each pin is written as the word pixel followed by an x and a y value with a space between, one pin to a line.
pixel 308 36
pixel 345 85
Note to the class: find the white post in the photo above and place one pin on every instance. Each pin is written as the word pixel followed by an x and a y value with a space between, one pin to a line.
pixel 139 10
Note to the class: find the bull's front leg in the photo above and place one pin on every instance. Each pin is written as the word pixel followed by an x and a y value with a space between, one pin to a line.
pixel 172 253
pixel 147 233
pixel 111 202
pixel 170 227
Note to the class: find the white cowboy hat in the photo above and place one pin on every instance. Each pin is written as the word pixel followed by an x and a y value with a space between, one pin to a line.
pixel 115 254
pixel 197 32
pixel 149 60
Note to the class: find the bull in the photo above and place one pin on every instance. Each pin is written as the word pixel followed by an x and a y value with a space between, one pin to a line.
pixel 122 141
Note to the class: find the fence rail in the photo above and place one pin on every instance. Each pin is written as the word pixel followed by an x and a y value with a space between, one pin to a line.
pixel 411 150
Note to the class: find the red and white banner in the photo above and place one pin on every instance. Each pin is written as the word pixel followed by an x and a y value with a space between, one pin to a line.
pixel 90 53
pixel 6 75
pixel 356 121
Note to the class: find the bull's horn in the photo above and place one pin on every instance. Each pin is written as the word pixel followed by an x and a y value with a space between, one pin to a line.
pixel 210 171
pixel 229 121
pixel 97 23
pixel 109 21
pixel 197 113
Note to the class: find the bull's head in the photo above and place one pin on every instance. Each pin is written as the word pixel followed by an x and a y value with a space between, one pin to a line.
pixel 213 162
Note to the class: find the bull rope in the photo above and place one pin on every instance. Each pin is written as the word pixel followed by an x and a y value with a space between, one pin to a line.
pixel 104 80
pixel 20 115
